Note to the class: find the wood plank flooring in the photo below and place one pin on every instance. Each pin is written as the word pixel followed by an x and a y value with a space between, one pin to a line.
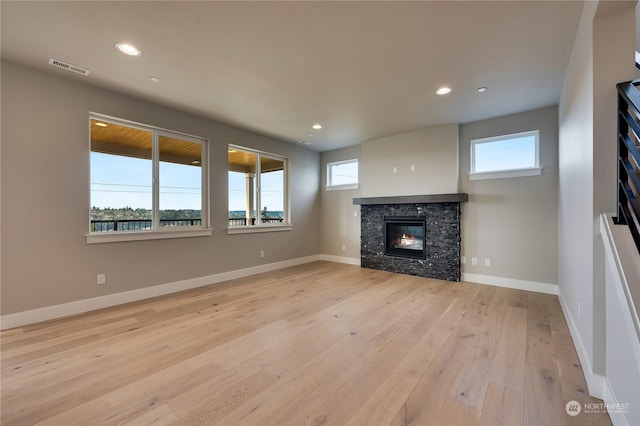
pixel 317 344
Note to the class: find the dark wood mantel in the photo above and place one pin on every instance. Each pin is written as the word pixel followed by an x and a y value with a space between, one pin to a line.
pixel 414 199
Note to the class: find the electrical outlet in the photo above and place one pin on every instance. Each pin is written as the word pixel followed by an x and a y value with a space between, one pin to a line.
pixel 463 259
pixel 487 262
pixel 412 167
pixel 102 279
pixel 261 253
pixel 474 260
pixel 344 247
pixel 395 170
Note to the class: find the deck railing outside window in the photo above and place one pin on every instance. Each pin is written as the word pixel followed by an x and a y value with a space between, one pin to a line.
pixel 145 224
pixel 138 224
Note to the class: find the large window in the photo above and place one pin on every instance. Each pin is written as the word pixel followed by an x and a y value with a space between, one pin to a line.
pixel 257 189
pixel 505 156
pixel 342 174
pixel 145 179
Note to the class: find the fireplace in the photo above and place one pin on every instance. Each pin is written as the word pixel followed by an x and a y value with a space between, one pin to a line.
pixel 415 234
pixel 405 236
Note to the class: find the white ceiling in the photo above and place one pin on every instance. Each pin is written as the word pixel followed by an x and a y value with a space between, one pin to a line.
pixel 361 69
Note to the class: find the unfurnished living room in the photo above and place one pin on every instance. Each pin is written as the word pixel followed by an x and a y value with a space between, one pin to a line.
pixel 320 213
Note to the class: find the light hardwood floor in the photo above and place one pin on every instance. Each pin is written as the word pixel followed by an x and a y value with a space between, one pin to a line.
pixel 322 343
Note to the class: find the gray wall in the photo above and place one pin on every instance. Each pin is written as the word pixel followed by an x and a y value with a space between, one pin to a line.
pixel 45 198
pixel 434 153
pixel 613 62
pixel 602 56
pixel 501 213
pixel 432 150
pixel 512 221
pixel 575 196
pixel 340 219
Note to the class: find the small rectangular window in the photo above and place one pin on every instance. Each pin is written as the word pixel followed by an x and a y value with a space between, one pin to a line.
pixel 505 156
pixel 145 179
pixel 257 189
pixel 342 174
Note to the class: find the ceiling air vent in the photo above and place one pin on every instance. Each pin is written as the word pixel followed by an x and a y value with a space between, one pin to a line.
pixel 61 64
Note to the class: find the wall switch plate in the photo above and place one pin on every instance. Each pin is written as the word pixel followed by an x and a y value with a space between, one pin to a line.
pixel 102 278
pixel 463 259
pixel 487 262
pixel 355 213
pixel 474 260
pixel 412 167
pixel 395 169
pixel 261 253
pixel 344 247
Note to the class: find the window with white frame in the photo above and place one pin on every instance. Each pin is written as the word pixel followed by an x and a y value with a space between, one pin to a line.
pixel 145 179
pixel 257 189
pixel 506 156
pixel 342 174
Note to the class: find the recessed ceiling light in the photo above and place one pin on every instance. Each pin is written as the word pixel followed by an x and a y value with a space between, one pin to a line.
pixel 481 89
pixel 101 124
pixel 317 126
pixel 195 163
pixel 129 49
pixel 443 90
pixel 305 142
pixel 154 79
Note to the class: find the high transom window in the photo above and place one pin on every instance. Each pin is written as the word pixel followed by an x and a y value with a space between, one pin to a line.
pixel 342 174
pixel 505 156
pixel 145 179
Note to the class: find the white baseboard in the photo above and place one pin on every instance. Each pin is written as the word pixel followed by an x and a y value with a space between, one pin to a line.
pixel 538 287
pixel 595 382
pixel 73 308
pixel 341 259
pixel 609 398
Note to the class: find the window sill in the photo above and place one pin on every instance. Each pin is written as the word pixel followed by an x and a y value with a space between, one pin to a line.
pixel 534 171
pixel 258 229
pixel 341 187
pixel 113 237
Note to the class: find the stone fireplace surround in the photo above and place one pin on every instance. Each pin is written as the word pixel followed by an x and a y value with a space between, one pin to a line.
pixel 443 235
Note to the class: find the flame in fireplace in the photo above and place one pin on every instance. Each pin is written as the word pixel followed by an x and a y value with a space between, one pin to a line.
pixel 407 240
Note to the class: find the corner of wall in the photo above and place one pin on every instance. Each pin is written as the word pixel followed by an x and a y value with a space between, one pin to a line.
pixel 595 382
